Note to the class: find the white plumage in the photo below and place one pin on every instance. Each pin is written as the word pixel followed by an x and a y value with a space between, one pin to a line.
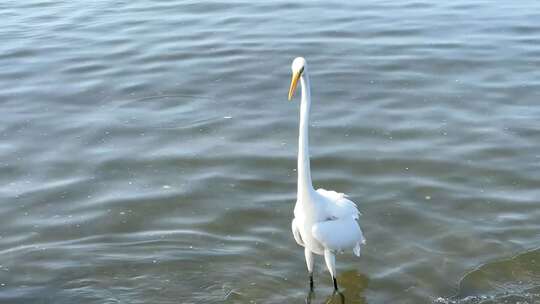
pixel 325 222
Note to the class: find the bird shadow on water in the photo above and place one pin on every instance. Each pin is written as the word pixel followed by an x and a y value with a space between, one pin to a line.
pixel 351 288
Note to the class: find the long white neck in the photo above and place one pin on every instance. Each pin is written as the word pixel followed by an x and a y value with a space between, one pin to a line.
pixel 305 187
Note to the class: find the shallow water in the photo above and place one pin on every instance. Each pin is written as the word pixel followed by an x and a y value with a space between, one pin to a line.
pixel 147 150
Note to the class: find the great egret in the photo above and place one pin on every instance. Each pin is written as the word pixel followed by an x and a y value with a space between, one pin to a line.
pixel 325 222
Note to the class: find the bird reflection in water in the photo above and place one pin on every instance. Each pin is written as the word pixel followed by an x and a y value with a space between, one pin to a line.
pixel 351 291
pixel 336 296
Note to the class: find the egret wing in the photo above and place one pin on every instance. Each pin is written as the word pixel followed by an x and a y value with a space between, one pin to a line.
pixel 339 235
pixel 296 233
pixel 338 205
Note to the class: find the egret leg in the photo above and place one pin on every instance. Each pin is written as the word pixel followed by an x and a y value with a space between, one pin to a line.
pixel 330 260
pixel 335 283
pixel 309 263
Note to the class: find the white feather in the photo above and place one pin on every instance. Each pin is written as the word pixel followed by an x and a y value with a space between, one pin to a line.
pixel 338 235
pixel 338 205
pixel 296 233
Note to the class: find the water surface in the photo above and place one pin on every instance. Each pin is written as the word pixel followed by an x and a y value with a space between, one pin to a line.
pixel 148 153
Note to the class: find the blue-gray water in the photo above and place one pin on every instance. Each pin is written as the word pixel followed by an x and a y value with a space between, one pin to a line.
pixel 148 153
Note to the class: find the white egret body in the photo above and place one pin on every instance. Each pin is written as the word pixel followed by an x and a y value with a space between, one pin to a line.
pixel 325 222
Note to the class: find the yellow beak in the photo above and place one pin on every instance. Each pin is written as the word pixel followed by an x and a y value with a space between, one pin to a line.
pixel 294 83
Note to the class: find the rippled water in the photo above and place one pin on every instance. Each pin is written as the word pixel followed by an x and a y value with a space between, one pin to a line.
pixel 148 153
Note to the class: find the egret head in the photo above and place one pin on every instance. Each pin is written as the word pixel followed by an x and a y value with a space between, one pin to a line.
pixel 299 66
